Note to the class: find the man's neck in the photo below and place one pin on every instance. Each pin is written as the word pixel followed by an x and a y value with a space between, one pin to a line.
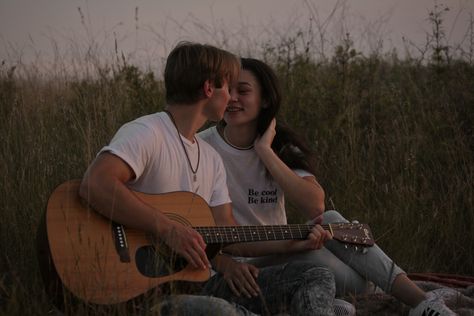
pixel 188 119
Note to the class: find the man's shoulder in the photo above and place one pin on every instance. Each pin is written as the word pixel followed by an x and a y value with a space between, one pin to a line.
pixel 153 123
pixel 153 119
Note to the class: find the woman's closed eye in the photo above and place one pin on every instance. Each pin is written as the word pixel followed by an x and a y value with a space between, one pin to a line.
pixel 244 91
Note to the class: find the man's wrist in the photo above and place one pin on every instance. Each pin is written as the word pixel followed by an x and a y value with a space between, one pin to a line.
pixel 162 226
pixel 221 260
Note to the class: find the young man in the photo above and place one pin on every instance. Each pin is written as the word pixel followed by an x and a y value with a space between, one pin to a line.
pixel 160 153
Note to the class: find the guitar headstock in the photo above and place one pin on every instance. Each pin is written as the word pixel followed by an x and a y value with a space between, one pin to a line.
pixel 352 233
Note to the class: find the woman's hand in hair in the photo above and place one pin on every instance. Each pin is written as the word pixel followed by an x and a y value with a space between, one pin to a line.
pixel 264 142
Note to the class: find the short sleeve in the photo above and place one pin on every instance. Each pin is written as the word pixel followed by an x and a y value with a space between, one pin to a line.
pixel 134 143
pixel 303 173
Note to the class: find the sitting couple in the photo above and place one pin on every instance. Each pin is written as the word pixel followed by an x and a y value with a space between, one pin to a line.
pixel 246 155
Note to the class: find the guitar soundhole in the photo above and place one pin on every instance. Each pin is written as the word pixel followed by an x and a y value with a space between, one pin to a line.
pixel 154 264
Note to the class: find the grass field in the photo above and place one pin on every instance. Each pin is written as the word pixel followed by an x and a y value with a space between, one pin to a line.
pixel 393 137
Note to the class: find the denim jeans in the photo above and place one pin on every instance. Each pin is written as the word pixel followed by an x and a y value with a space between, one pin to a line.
pixel 297 288
pixel 355 272
pixel 197 305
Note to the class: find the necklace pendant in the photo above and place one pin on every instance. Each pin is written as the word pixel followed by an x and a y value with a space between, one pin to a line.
pixel 194 177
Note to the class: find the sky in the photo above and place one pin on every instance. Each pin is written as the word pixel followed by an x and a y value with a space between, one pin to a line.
pixel 144 31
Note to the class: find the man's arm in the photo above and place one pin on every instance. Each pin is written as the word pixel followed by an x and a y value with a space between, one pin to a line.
pixel 103 186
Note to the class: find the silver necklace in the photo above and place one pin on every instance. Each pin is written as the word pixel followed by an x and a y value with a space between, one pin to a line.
pixel 194 171
pixel 232 145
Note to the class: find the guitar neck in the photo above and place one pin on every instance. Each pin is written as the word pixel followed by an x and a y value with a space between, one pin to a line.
pixel 232 234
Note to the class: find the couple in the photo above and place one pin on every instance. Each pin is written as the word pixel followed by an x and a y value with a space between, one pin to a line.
pixel 161 153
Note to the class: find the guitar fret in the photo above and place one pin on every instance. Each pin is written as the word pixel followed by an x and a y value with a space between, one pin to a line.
pixel 235 236
pixel 230 234
pixel 282 236
pixel 274 232
pixel 268 232
pixel 210 235
pixel 223 234
pixel 245 233
pixel 219 236
pixel 253 233
pixel 264 233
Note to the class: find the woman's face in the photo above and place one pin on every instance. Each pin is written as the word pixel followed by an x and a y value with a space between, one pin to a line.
pixel 246 107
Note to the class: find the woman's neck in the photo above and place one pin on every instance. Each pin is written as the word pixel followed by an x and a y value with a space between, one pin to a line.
pixel 241 137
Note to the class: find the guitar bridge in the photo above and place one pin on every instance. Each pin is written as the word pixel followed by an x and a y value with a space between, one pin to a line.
pixel 120 241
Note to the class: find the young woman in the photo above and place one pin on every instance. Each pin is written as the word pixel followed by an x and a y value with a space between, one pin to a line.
pixel 266 163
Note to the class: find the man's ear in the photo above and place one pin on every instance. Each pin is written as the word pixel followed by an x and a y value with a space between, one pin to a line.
pixel 208 88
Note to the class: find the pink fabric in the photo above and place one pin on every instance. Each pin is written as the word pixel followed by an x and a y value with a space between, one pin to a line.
pixel 450 280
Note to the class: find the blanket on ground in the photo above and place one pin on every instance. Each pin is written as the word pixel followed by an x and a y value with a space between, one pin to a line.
pixel 457 293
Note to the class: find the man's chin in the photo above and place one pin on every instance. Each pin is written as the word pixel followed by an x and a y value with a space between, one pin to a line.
pixel 217 118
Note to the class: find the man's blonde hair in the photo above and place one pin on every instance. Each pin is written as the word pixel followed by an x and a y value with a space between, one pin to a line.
pixel 189 65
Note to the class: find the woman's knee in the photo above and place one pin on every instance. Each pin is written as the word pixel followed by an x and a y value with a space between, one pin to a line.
pixel 333 216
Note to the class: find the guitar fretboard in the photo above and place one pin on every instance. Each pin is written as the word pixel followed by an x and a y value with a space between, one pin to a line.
pixel 231 234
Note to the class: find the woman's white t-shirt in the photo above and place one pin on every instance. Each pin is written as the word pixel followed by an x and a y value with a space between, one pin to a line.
pixel 256 198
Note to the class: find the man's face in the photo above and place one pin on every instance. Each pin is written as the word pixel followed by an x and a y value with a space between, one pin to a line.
pixel 218 101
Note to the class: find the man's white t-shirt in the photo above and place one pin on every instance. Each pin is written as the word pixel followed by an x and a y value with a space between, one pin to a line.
pixel 151 147
pixel 256 198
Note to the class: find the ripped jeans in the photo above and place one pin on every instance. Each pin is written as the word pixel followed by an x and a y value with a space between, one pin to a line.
pixel 297 288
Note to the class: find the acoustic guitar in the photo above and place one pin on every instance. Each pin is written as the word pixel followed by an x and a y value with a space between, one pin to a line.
pixel 105 263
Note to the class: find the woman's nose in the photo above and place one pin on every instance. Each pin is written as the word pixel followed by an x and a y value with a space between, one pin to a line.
pixel 234 96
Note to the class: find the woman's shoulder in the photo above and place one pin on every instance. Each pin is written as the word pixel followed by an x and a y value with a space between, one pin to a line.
pixel 209 133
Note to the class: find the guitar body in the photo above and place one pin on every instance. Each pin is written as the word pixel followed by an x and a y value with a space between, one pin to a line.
pixel 102 262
